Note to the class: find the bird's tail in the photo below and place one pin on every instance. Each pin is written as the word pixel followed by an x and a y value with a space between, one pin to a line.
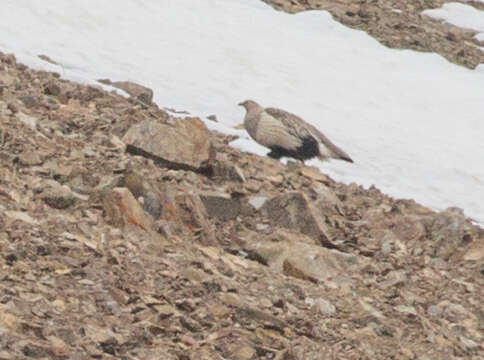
pixel 332 151
pixel 346 158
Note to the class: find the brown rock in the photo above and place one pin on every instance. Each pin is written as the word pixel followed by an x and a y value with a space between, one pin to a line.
pixel 295 256
pixel 139 92
pixel 314 174
pixel 9 59
pixel 29 158
pixel 245 353
pixel 475 251
pixel 13 216
pixel 58 346
pixel 6 79
pixel 52 88
pixel 184 145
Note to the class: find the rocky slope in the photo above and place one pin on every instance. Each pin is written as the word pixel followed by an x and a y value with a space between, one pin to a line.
pixel 400 24
pixel 129 234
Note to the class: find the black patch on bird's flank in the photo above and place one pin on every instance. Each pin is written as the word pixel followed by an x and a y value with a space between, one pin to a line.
pixel 308 150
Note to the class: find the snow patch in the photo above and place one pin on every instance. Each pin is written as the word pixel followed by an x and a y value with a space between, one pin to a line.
pixel 461 15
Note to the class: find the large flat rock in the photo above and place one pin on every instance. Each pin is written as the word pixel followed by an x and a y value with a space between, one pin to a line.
pixel 183 144
pixel 292 254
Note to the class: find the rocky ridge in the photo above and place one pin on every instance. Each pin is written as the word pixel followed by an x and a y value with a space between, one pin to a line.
pixel 401 25
pixel 120 242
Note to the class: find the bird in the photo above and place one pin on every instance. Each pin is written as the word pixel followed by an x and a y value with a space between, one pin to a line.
pixel 288 135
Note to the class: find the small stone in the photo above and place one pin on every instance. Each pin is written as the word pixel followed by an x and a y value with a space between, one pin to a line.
pixel 30 158
pixel 58 196
pixel 22 216
pixel 13 108
pixel 212 118
pixel 257 201
pixel 261 227
pixel 434 310
pixel 165 310
pixel 276 180
pixel 58 346
pixel 230 299
pixel 314 174
pixel 139 92
pixel 219 311
pixel 323 307
pixel 46 59
pixel 28 120
pixel 29 101
pixel 51 88
pixel 468 343
pixel 245 353
pixel 409 310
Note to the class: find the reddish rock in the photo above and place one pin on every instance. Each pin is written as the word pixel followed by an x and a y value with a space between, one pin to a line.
pixel 122 210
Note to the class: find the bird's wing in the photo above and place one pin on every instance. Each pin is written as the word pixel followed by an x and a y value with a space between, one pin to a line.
pixel 293 123
pixel 272 131
pixel 304 129
pixel 335 150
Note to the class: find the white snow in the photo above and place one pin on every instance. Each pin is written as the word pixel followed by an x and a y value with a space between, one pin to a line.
pixel 412 122
pixel 461 15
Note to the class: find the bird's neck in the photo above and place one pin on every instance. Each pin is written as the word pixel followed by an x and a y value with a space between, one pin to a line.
pixel 252 118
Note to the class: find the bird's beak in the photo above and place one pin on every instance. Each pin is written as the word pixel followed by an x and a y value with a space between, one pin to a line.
pixel 241 104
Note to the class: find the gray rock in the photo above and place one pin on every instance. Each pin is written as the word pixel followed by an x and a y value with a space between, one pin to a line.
pixel 295 256
pixel 29 158
pixel 221 205
pixel 294 211
pixel 228 171
pixel 58 196
pixel 323 307
pixel 257 201
pixel 434 310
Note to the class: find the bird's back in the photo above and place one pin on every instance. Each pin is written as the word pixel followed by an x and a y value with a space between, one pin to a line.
pixel 300 128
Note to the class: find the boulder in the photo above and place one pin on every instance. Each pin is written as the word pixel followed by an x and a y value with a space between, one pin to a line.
pixel 183 145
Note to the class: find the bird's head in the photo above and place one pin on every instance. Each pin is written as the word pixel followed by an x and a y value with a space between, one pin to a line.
pixel 249 105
